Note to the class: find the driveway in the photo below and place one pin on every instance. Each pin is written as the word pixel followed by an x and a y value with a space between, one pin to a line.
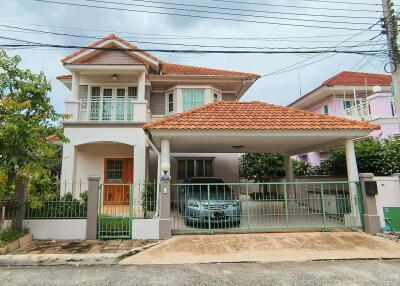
pixel 267 247
pixel 346 273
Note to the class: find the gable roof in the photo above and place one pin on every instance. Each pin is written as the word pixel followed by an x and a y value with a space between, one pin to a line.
pixel 168 69
pixel 348 78
pixel 110 37
pixel 231 115
pixel 175 69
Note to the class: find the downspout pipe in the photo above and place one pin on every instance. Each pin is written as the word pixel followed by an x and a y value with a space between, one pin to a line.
pixel 158 175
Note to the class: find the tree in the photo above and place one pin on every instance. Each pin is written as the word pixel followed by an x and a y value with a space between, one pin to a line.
pixel 26 119
pixel 261 167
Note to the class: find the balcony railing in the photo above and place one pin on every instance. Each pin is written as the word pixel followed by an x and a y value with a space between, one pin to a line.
pixel 360 111
pixel 116 110
pixel 365 111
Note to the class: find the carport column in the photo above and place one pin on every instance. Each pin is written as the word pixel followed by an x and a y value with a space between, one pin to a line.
pixel 372 224
pixel 92 207
pixel 165 189
pixel 289 176
pixel 352 175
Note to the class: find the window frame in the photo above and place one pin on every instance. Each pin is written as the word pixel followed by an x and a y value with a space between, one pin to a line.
pixel 170 102
pixel 195 167
pixel 326 109
pixel 193 101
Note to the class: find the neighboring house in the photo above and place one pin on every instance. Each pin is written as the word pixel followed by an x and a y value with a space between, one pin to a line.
pixel 353 95
pixel 115 92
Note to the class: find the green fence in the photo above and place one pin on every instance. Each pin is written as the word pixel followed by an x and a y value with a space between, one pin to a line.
pixel 265 206
pixel 58 210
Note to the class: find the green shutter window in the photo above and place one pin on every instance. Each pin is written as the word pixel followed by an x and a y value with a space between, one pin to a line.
pixel 120 105
pixel 170 102
pixel 107 96
pixel 192 98
pixel 95 103
pixel 347 104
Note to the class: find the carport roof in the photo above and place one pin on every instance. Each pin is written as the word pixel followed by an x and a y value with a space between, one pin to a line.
pixel 231 115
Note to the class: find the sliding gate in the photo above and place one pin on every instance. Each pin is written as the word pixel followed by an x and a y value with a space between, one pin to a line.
pixel 277 206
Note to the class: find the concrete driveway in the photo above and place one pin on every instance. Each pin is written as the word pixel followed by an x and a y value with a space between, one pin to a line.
pixel 267 247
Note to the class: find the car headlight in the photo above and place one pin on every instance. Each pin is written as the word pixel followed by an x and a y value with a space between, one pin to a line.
pixel 236 203
pixel 192 203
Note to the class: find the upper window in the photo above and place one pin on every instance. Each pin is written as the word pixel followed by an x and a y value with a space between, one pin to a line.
pixel 347 104
pixel 215 97
pixel 170 102
pixel 326 109
pixel 192 98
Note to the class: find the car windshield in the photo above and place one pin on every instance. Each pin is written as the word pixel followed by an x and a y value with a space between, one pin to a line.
pixel 220 192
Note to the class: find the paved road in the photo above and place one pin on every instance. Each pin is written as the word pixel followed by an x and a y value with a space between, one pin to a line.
pixel 365 272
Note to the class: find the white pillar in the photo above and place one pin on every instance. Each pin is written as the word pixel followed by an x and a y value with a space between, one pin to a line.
pixel 351 161
pixel 289 175
pixel 141 86
pixel 75 84
pixel 354 216
pixel 165 152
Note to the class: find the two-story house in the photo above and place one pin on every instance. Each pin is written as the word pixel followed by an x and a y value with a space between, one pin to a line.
pixel 116 88
pixel 353 95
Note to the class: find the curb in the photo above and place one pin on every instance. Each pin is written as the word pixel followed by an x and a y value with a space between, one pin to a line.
pixel 69 259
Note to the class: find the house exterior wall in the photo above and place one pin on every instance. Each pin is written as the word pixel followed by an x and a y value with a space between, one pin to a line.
pixel 84 154
pixel 117 57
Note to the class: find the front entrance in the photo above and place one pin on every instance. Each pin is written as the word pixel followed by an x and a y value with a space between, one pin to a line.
pixel 115 219
pixel 118 176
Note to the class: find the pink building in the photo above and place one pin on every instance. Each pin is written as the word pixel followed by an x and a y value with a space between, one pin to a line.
pixel 354 95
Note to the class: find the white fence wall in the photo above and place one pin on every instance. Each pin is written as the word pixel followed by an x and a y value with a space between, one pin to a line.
pixel 388 194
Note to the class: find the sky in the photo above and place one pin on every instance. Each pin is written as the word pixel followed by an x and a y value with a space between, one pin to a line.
pixel 139 27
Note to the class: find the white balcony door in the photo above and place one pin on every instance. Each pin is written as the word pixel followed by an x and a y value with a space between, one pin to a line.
pixel 112 103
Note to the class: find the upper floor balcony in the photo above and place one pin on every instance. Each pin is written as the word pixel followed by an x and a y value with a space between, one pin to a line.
pixel 107 111
pixel 375 107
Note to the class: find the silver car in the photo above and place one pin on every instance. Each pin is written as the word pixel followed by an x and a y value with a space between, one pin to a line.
pixel 201 207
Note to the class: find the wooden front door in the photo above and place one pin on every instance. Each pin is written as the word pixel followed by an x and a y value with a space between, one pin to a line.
pixel 118 175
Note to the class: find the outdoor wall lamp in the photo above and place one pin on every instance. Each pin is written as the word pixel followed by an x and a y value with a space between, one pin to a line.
pixel 114 77
pixel 165 167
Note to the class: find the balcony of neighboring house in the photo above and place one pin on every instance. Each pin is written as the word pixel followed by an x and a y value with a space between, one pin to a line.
pixel 380 108
pixel 375 107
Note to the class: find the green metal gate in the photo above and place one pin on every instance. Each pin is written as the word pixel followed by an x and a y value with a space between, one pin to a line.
pixel 279 206
pixel 115 211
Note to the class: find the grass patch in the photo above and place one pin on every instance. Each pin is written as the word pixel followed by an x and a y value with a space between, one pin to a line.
pixel 113 226
pixel 10 234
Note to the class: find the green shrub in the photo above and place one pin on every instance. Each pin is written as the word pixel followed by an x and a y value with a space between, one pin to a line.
pixel 10 234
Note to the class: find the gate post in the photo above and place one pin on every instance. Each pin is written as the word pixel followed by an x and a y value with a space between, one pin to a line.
pixel 165 209
pixel 92 207
pixel 372 223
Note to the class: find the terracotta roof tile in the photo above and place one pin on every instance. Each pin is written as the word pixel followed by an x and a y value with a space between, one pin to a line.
pixel 175 69
pixel 67 76
pixel 230 115
pixel 347 78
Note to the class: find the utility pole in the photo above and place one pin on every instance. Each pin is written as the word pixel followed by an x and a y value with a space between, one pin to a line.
pixel 390 26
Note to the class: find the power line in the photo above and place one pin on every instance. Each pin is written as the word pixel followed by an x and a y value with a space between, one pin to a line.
pixel 186 36
pixel 342 2
pixel 170 44
pixel 191 51
pixel 230 9
pixel 294 6
pixel 198 16
pixel 295 65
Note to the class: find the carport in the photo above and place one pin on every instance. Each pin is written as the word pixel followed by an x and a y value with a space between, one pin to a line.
pixel 245 127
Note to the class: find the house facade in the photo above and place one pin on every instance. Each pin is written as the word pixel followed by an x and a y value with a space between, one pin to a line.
pixel 115 92
pixel 353 95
